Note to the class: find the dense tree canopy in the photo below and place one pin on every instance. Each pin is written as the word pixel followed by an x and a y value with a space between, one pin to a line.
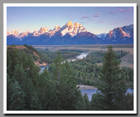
pixel 56 88
pixel 112 88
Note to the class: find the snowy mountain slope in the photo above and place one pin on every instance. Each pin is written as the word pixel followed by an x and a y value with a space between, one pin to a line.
pixel 102 35
pixel 120 35
pixel 71 33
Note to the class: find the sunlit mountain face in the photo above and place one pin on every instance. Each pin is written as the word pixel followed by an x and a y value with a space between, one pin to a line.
pixel 71 34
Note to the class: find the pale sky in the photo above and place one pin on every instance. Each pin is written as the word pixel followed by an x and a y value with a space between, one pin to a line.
pixel 95 19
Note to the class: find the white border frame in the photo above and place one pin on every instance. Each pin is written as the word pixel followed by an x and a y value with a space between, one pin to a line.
pixel 5 5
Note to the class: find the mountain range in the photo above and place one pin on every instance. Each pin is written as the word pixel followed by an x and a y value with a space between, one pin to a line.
pixel 71 34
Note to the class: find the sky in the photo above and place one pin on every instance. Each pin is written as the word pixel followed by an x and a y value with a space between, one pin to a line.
pixel 95 19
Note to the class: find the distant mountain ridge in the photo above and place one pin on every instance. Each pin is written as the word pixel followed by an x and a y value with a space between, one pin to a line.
pixel 71 34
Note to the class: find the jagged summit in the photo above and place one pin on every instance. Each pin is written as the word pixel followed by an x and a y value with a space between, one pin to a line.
pixel 23 34
pixel 56 27
pixel 72 33
pixel 72 29
pixel 69 23
pixel 43 30
pixel 69 28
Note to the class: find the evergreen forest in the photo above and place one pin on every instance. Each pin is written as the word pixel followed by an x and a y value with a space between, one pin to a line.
pixel 56 88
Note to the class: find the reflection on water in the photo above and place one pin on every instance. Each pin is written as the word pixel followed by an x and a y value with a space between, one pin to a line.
pixel 129 90
pixel 42 68
pixel 90 92
pixel 83 55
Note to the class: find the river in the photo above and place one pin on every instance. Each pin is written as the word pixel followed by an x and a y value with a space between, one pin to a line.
pixel 90 92
pixel 81 56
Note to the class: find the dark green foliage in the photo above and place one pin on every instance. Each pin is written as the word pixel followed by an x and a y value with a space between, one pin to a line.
pixel 17 98
pixel 128 74
pixel 80 104
pixel 46 91
pixel 85 72
pixel 87 103
pixel 35 102
pixel 13 59
pixel 9 91
pixel 72 50
pixel 112 86
pixel 41 55
pixel 33 72
pixel 55 89
pixel 128 102
pixel 19 74
pixel 29 90
pixel 66 54
pixel 49 55
pixel 65 85
pixel 120 93
pixel 24 61
pixel 94 102
pixel 9 64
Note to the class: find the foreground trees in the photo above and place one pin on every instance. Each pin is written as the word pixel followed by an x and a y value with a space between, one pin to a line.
pixel 56 89
pixel 65 85
pixel 112 89
pixel 29 90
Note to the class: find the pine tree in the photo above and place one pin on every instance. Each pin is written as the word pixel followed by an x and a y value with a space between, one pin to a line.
pixel 128 102
pixel 45 73
pixel 120 93
pixel 96 102
pixel 111 89
pixel 35 103
pixel 29 89
pixel 24 60
pixel 9 64
pixel 46 91
pixel 17 98
pixel 80 104
pixel 87 103
pixel 33 72
pixel 66 90
pixel 19 74
pixel 12 55
pixel 69 90
pixel 9 91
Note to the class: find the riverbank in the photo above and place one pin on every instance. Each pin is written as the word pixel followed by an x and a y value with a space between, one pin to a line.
pixel 86 87
pixel 40 65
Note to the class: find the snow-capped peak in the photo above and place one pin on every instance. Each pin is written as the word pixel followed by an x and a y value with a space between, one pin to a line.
pixel 8 33
pixel 23 34
pixel 128 29
pixel 69 23
pixel 15 33
pixel 72 29
pixel 56 27
pixel 102 35
pixel 35 33
pixel 43 30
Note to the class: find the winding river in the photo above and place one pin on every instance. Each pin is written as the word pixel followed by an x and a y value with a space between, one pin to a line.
pixel 89 92
pixel 81 56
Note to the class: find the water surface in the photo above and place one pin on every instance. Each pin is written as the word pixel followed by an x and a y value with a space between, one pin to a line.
pixel 90 92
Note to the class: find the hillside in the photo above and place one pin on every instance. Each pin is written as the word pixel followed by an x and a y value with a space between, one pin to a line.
pixel 31 52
